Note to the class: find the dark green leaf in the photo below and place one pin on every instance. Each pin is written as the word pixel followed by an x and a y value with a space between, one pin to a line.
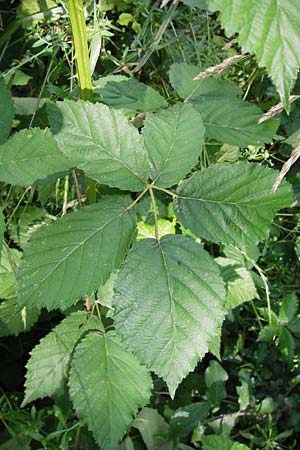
pixel 73 256
pixel 30 155
pixel 7 111
pixel 172 149
pixel 225 204
pixel 100 141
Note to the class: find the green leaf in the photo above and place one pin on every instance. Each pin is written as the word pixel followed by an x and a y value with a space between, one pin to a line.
pixel 14 319
pixel 234 121
pixel 2 229
pixel 130 95
pixel 185 419
pixel 286 343
pixel 152 426
pixel 10 260
pixel 172 149
pixel 201 4
pixel 268 333
pixel 73 256
pixel 288 308
pixel 169 309
pixel 225 204
pixel 107 386
pixel 215 380
pixel 216 442
pixel 30 155
pixel 181 78
pixel 48 364
pixel 240 286
pixel 270 29
pixel 7 111
pixel 100 141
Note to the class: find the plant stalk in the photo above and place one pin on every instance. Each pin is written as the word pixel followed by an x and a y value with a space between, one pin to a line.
pixel 79 31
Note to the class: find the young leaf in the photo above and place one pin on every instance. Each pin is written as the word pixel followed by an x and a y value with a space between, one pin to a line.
pixel 270 29
pixel 73 256
pixel 234 121
pixel 170 308
pixel 49 360
pixel 181 77
pixel 107 386
pixel 172 149
pixel 30 155
pixel 100 141
pixel 152 426
pixel 224 203
pixel 7 111
pixel 130 95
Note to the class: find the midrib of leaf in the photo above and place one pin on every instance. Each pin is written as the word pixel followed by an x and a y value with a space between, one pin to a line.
pixel 172 306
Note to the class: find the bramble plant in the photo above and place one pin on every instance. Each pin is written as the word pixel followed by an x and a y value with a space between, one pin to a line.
pixel 139 298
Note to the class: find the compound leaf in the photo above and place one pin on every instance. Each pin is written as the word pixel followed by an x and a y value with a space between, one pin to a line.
pixel 73 256
pixel 30 155
pixel 49 360
pixel 100 141
pixel 171 307
pixel 225 204
pixel 172 149
pixel 270 29
pixel 107 386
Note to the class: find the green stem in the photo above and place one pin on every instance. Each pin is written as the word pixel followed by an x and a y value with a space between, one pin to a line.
pixel 76 13
pixel 166 191
pixel 79 31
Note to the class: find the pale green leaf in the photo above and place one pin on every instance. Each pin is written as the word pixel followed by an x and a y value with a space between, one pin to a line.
pixel 240 286
pixel 152 427
pixel 10 260
pixel 172 149
pixel 215 373
pixel 201 4
pixel 224 203
pixel 48 364
pixel 100 141
pixel 181 77
pixel 216 442
pixel 30 155
pixel 25 106
pixel 73 256
pixel 170 308
pixel 270 29
pixel 234 121
pixel 148 231
pixel 107 386
pixel 6 111
pixel 130 94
